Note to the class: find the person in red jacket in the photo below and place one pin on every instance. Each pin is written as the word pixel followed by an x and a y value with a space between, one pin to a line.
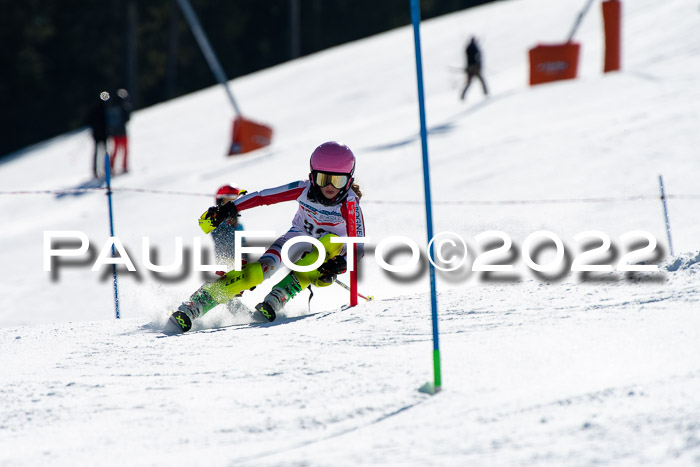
pixel 118 114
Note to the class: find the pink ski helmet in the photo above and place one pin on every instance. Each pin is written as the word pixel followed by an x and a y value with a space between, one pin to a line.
pixel 335 158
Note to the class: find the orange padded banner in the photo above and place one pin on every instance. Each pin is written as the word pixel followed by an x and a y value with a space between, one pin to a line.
pixel 248 135
pixel 553 62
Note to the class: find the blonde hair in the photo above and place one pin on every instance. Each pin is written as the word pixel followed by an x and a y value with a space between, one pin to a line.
pixel 356 188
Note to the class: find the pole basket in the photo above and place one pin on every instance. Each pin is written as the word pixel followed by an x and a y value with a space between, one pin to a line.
pixel 248 135
pixel 553 62
pixel 611 25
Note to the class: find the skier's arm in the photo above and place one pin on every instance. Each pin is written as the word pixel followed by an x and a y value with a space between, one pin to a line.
pixel 215 215
pixel 280 194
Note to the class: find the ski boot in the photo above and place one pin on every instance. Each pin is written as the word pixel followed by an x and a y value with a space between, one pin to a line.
pixel 279 295
pixel 210 295
pixel 181 319
pixel 200 302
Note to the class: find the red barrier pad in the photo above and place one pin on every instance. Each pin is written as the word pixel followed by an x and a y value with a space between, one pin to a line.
pixel 553 62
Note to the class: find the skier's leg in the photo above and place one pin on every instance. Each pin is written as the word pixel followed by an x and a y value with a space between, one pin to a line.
pixel 125 144
pixel 483 84
pixel 113 153
pixel 233 283
pixel 116 151
pixel 312 277
pixel 215 293
pixel 272 258
pixel 120 149
pixel 296 281
pixel 466 86
pixel 94 159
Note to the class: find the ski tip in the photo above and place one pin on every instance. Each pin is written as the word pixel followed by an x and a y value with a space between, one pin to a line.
pixel 171 329
pixel 177 323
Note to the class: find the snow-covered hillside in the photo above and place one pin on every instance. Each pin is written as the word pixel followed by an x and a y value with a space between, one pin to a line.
pixel 553 368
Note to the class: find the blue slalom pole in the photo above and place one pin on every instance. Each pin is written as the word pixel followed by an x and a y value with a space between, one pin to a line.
pixel 415 19
pixel 111 234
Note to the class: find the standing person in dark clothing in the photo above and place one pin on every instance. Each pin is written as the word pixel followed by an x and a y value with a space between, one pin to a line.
pixel 473 69
pixel 97 120
pixel 118 114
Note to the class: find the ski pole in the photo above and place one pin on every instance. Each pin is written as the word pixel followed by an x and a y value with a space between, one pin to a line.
pixel 111 233
pixel 347 287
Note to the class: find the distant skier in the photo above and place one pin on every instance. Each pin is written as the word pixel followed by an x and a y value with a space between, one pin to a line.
pixel 473 69
pixel 118 114
pixel 223 235
pixel 322 214
pixel 97 121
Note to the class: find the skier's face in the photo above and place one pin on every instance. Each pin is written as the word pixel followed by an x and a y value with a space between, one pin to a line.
pixel 329 191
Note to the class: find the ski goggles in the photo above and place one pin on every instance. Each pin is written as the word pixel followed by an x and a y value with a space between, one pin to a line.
pixel 338 181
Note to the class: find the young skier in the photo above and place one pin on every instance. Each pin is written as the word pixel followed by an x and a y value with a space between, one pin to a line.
pixel 322 214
